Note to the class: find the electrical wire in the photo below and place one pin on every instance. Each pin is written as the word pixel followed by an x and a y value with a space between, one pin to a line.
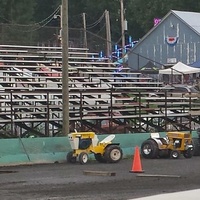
pixel 90 26
pixel 32 30
pixel 96 34
pixel 37 23
pixel 51 16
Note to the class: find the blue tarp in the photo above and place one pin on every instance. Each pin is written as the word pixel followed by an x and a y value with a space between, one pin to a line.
pixel 195 64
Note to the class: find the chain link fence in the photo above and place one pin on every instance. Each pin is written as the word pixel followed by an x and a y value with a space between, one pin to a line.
pixel 50 36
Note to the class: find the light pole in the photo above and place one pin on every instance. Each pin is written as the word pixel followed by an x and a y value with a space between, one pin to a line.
pixel 65 74
pixel 122 25
pixel 123 28
pixel 60 16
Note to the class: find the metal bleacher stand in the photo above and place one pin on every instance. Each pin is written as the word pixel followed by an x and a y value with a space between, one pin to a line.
pixel 100 98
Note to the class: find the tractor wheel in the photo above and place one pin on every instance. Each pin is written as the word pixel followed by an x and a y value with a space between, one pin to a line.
pixel 99 158
pixel 196 146
pixel 188 153
pixel 83 158
pixel 71 158
pixel 149 149
pixel 174 154
pixel 113 154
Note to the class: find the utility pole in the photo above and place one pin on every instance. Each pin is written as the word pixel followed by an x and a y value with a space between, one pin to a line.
pixel 85 31
pixel 65 74
pixel 108 34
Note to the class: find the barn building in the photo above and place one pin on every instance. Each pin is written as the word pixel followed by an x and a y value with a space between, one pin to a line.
pixel 175 38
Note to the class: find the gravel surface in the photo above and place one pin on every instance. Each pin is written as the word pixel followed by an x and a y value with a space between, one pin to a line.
pixel 68 182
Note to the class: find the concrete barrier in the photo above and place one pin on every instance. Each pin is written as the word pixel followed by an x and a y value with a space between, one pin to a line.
pixel 54 149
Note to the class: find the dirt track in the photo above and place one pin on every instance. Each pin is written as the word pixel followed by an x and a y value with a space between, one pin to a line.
pixel 67 181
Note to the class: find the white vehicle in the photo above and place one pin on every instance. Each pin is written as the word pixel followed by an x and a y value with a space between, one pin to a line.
pixel 185 91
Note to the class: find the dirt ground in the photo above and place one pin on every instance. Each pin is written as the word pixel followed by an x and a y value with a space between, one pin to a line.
pixel 68 182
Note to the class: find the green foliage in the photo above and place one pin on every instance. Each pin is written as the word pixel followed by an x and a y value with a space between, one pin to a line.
pixel 44 8
pixel 139 14
pixel 17 11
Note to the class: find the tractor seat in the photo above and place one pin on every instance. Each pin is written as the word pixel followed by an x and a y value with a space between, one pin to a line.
pixel 108 139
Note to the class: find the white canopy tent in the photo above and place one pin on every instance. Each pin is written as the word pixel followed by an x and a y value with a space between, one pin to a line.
pixel 179 69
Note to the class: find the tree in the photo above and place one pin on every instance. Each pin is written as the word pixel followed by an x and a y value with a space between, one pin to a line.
pixel 17 11
pixel 17 14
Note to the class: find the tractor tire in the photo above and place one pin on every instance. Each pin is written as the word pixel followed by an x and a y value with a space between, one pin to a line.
pixel 113 154
pixel 83 158
pixel 71 158
pixel 196 146
pixel 100 158
pixel 174 154
pixel 149 149
pixel 188 153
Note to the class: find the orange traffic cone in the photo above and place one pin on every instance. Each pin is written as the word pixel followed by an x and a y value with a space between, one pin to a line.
pixel 137 166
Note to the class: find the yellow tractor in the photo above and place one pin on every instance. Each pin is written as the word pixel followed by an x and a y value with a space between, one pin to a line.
pixel 172 145
pixel 85 143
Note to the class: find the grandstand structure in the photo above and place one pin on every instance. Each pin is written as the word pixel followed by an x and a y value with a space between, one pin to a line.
pixel 102 98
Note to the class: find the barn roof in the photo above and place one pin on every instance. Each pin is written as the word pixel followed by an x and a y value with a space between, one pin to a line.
pixel 190 18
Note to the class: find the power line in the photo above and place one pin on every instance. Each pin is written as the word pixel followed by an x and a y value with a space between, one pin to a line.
pixel 96 22
pixel 37 23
